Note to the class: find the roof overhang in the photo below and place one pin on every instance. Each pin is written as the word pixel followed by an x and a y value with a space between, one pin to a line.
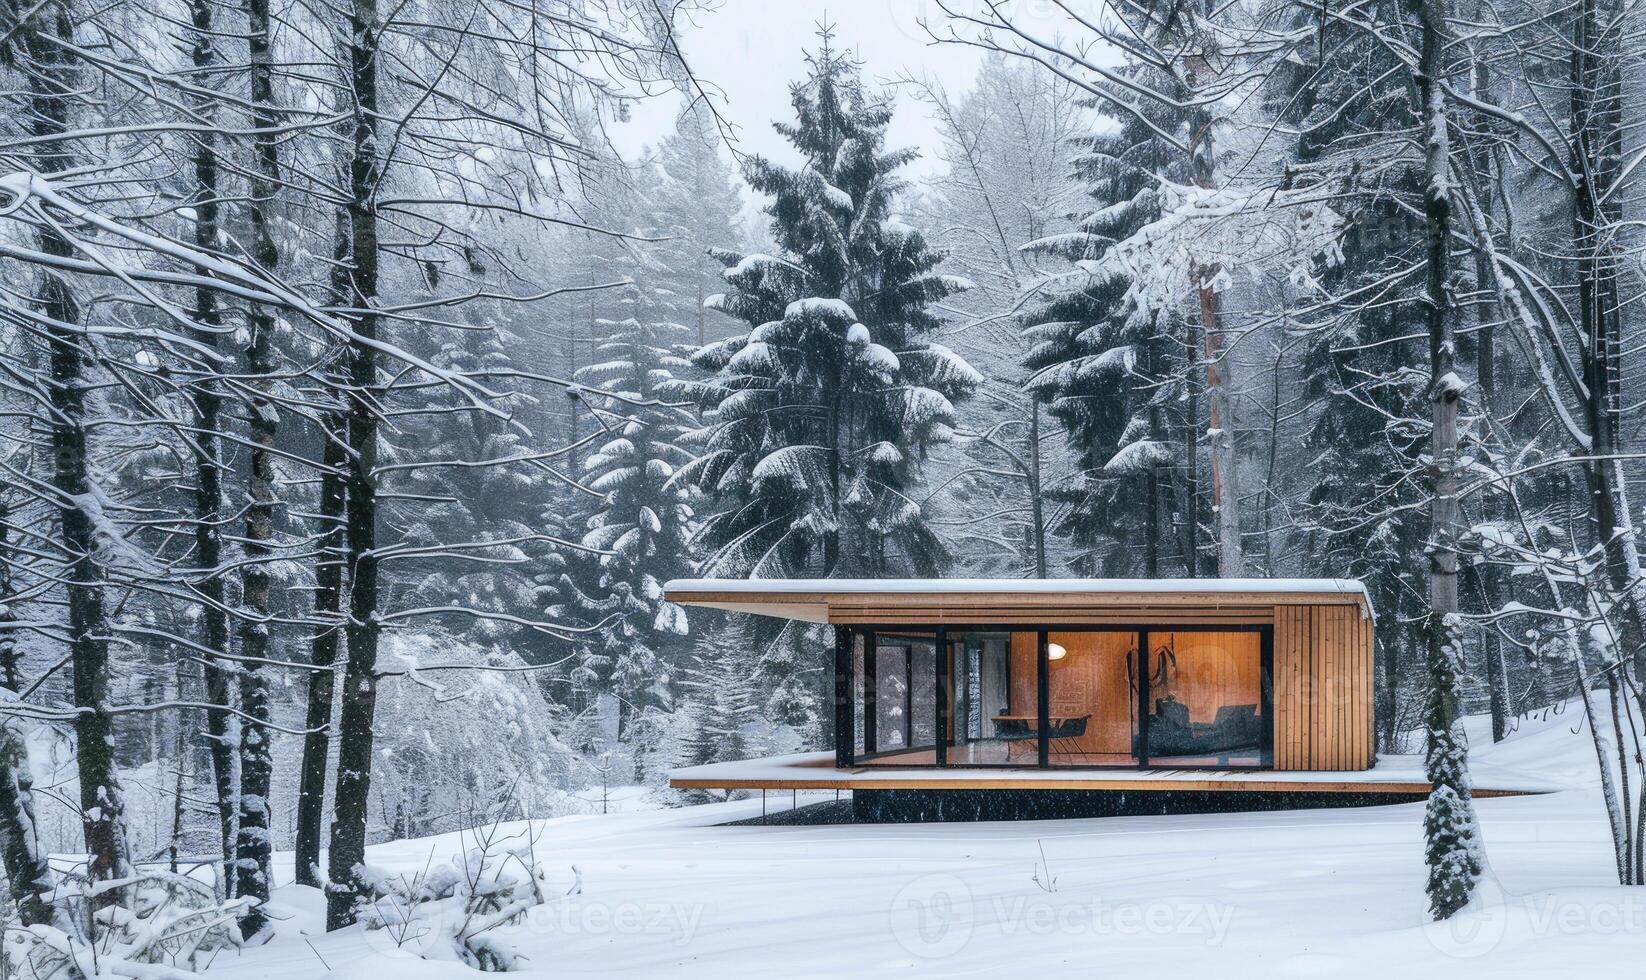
pixel 1015 601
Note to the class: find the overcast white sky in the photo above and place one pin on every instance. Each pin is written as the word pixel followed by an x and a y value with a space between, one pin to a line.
pixel 752 49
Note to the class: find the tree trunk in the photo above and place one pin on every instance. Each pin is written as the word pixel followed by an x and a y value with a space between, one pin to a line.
pixel 253 845
pixel 1597 124
pixel 1493 578
pixel 359 685
pixel 102 801
pixel 1037 512
pixel 1189 493
pixel 1452 845
pixel 208 490
pixel 9 673
pixel 328 605
pixel 1157 435
pixel 1231 560
pixel 28 874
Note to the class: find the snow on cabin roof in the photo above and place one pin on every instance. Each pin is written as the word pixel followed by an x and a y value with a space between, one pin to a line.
pixel 1004 600
pixel 961 586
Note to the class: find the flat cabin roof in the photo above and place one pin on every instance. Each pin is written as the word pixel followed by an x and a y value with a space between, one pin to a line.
pixel 1016 601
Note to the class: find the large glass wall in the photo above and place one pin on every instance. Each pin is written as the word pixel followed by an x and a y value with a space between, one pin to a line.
pixel 1194 698
pixel 1207 699
pixel 899 710
pixel 1092 698
pixel 992 699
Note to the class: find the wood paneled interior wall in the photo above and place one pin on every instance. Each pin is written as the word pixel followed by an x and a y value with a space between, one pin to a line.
pixel 1094 678
pixel 1024 679
pixel 1209 670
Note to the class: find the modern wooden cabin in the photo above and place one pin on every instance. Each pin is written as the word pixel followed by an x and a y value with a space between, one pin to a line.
pixel 1255 686
pixel 1250 674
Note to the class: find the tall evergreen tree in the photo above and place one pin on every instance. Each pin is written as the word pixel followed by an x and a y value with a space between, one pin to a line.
pixel 642 522
pixel 821 414
pixel 1361 440
pixel 819 418
pixel 1118 376
pixel 695 207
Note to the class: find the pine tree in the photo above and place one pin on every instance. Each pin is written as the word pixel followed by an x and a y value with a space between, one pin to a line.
pixel 719 713
pixel 820 417
pixel 643 522
pixel 1118 376
pixel 429 459
pixel 1360 442
pixel 695 206
pixel 822 413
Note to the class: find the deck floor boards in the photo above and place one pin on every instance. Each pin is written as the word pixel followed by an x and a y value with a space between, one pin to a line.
pixel 816 770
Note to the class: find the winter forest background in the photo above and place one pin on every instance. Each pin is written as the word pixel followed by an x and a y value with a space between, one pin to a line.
pixel 358 392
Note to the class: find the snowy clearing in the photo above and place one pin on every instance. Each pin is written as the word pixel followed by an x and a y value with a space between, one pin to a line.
pixel 1287 894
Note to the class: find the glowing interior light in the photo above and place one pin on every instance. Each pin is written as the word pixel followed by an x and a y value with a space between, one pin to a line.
pixel 1055 651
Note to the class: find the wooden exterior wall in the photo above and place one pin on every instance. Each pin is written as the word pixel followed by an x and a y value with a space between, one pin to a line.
pixel 1323 688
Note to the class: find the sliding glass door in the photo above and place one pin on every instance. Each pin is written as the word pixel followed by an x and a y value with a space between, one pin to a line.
pixel 899 690
pixel 991 691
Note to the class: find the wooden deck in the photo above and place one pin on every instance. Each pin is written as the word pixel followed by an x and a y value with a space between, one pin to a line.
pixel 814 771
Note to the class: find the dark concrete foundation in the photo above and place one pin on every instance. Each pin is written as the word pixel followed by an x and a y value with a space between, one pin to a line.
pixel 929 806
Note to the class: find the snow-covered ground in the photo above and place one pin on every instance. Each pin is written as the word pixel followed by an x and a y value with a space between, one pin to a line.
pixel 1293 894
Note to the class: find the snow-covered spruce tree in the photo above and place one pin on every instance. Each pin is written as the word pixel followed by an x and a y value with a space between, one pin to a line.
pixel 719 715
pixel 571 587
pixel 1181 81
pixel 694 208
pixel 429 461
pixel 642 522
pixel 1118 376
pixel 820 414
pixel 819 417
